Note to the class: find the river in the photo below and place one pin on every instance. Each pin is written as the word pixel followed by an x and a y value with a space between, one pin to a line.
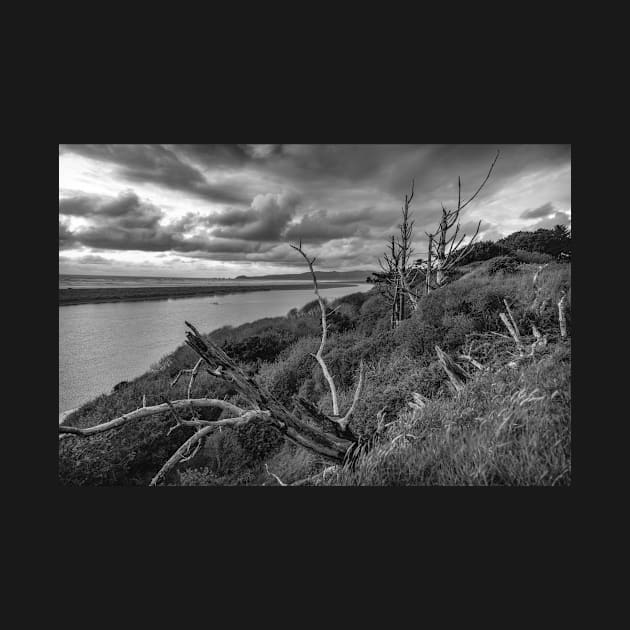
pixel 103 344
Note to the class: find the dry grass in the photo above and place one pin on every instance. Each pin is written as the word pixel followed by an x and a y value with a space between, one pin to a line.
pixel 508 428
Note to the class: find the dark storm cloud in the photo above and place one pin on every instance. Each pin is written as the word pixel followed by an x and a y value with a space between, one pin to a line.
pixel 536 213
pixel 127 223
pixel 126 210
pixel 266 220
pixel 157 164
pixel 387 168
pixel 339 199
pixel 320 226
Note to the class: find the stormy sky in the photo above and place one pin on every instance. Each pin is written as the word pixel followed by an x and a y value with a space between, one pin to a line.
pixel 221 210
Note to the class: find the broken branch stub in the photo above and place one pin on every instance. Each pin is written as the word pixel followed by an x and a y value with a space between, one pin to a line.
pixel 456 374
pixel 562 315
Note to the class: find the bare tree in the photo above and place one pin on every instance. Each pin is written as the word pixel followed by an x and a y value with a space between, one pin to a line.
pixel 398 275
pixel 328 436
pixel 343 422
pixel 388 281
pixel 445 251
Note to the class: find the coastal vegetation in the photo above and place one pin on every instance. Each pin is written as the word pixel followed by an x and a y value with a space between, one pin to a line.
pixel 503 419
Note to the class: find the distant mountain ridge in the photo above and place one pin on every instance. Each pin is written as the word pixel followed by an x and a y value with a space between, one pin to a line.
pixel 359 275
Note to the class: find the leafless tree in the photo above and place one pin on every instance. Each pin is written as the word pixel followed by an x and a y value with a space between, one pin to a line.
pixel 445 251
pixel 398 274
pixel 388 281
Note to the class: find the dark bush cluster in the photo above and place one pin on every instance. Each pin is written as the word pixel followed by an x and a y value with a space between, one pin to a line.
pixel 483 250
pixel 503 264
pixel 552 242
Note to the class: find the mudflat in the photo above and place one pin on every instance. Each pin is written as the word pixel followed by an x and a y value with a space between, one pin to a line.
pixel 131 294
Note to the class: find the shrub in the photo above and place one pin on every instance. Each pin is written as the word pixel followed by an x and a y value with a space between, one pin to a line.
pixel 532 257
pixel 503 264
pixel 284 377
pixel 483 250
pixel 551 242
pixel 374 314
pixel 130 455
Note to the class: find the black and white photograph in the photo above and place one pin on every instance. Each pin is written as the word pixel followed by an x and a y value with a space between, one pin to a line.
pixel 314 315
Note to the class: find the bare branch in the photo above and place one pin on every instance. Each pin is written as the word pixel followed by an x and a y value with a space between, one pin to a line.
pixel 343 423
pixel 561 315
pixel 145 412
pixel 184 449
pixel 482 183
pixel 275 476
pixel 319 356
pixel 509 312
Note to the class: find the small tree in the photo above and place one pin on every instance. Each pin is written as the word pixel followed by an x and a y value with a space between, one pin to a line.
pixel 398 275
pixel 445 251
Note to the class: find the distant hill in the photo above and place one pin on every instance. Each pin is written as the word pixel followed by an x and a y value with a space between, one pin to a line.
pixel 356 276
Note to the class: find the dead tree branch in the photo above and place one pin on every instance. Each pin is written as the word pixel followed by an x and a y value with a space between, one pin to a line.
pixel 445 250
pixel 562 316
pixel 144 412
pixel 318 356
pixel 342 422
pixel 456 374
pixel 193 374
pixel 184 449
pixel 275 476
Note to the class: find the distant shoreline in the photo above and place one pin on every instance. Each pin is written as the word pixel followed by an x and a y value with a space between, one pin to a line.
pixel 70 297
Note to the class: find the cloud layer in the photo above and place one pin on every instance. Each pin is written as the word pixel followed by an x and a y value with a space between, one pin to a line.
pixel 234 208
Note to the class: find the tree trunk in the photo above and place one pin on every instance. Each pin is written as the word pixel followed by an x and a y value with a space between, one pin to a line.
pixel 306 428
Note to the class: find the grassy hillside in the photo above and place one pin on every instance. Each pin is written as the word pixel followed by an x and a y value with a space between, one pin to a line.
pixel 510 425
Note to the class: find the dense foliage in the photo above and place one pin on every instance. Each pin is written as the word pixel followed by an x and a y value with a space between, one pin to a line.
pixel 552 242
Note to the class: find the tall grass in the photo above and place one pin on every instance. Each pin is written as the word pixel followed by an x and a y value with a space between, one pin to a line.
pixel 510 428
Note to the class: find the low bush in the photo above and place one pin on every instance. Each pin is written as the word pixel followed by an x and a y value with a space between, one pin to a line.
pixel 503 264
pixel 532 257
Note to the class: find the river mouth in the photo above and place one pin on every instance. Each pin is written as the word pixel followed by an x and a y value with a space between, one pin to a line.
pixel 103 344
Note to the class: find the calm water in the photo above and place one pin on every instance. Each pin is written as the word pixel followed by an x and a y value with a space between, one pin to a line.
pixel 103 344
